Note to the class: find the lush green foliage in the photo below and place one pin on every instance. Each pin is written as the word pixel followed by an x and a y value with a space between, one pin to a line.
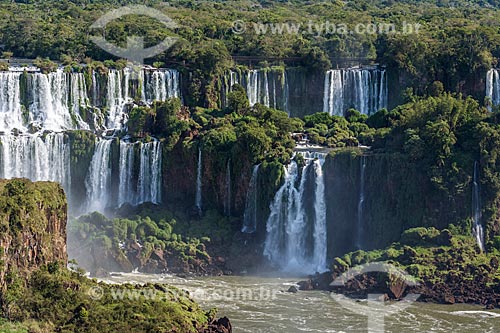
pixel 56 299
pixel 112 234
pixel 430 256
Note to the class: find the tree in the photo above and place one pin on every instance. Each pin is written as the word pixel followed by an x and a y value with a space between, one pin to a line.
pixel 238 100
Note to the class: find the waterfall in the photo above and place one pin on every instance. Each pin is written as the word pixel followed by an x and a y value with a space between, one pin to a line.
pixel 361 201
pixel 36 157
pixel 198 182
pixel 333 100
pixel 146 187
pixel 320 217
pixel 477 230
pixel 265 89
pixel 274 243
pixel 78 98
pixel 49 104
pixel 149 184
pixel 98 181
pixel 227 202
pixel 289 223
pixel 267 86
pixel 59 101
pixel 11 115
pixel 286 94
pixel 161 84
pixel 117 97
pixel 493 86
pixel 49 101
pixel 362 89
pixel 252 84
pixel 251 208
pixel 126 193
pixel 95 89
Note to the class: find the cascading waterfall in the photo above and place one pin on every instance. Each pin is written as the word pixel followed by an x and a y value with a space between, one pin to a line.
pixel 49 104
pixel 149 184
pixel 275 226
pixel 98 181
pixel 286 94
pixel 493 86
pixel 161 84
pixel 253 87
pixel 57 100
pixel 289 222
pixel 198 182
pixel 477 230
pixel 36 157
pixel 251 207
pixel 334 93
pixel 147 187
pixel 320 247
pixel 117 97
pixel 126 189
pixel 268 87
pixel 78 98
pixel 227 202
pixel 54 101
pixel 362 89
pixel 361 202
pixel 11 115
pixel 48 109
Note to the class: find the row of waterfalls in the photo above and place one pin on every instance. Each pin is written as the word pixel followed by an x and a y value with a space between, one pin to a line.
pixel 62 101
pixel 364 89
pixel 37 110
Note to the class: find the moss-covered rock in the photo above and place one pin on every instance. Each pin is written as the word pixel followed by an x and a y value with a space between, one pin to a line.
pixel 33 227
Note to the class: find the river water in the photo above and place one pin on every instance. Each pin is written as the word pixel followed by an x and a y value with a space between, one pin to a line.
pixel 262 304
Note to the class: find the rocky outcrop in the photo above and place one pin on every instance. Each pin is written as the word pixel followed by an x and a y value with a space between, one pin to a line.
pixel 33 226
pixel 448 270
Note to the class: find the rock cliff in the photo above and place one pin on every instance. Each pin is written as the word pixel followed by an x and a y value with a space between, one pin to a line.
pixel 32 226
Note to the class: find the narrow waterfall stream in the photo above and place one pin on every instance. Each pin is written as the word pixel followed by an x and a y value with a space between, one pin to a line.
pixel 251 207
pixel 227 201
pixel 493 86
pixel 477 229
pixel 360 227
pixel 198 197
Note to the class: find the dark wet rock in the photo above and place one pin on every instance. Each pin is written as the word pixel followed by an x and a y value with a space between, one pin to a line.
pixel 223 325
pixel 100 273
pixel 293 289
pixel 306 285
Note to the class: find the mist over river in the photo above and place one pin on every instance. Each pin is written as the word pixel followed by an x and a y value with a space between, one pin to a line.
pixel 262 304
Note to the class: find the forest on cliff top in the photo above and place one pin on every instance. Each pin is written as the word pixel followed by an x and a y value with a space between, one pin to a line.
pixel 457 41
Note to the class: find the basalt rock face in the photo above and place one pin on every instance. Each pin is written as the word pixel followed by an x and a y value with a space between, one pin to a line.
pixel 33 226
pixel 369 209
